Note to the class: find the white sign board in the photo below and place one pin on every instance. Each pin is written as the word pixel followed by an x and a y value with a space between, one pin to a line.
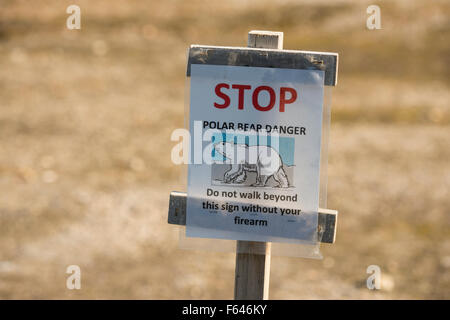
pixel 255 153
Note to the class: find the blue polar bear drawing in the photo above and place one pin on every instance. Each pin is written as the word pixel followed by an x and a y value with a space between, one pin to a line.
pixel 268 164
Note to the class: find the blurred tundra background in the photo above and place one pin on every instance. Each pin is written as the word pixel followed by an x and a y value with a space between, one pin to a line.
pixel 85 170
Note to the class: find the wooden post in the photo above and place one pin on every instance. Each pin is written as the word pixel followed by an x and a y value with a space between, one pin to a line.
pixel 252 274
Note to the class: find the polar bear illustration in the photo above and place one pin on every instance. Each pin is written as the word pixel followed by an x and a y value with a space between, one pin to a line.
pixel 266 163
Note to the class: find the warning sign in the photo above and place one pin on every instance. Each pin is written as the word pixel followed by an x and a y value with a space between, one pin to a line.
pixel 256 153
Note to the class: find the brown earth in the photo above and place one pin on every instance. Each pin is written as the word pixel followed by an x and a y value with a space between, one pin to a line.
pixel 85 171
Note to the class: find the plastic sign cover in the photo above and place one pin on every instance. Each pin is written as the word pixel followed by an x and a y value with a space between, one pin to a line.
pixel 254 153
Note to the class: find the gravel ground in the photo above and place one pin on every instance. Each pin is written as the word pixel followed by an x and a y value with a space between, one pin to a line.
pixel 85 170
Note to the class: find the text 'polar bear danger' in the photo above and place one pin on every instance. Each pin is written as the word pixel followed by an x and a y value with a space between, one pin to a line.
pixel 256 127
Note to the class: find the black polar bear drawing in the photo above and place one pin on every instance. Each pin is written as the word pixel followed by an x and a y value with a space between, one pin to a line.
pixel 268 164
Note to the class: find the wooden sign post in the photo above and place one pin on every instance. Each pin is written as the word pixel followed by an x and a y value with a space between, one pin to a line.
pixel 252 273
pixel 253 258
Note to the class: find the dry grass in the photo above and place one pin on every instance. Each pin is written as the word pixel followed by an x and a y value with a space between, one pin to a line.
pixel 85 171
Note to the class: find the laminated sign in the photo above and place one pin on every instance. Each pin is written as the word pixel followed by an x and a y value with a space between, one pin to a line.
pixel 255 153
